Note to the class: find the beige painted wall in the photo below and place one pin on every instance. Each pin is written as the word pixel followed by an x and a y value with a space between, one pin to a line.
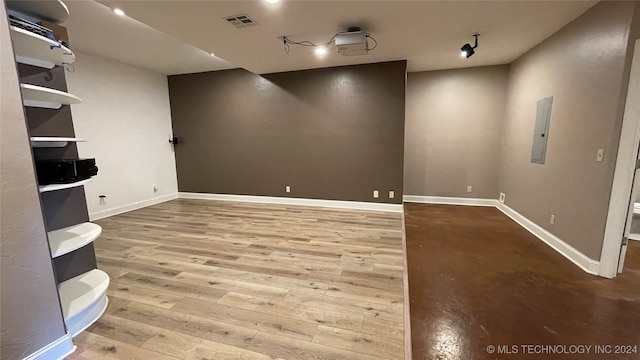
pixel 584 67
pixel 453 130
pixel 31 313
pixel 127 98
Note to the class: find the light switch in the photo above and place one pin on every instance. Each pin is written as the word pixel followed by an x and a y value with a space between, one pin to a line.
pixel 375 194
pixel 392 194
pixel 287 188
pixel 600 155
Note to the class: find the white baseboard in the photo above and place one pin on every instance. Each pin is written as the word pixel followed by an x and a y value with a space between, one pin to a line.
pixel 58 349
pixel 295 201
pixel 449 200
pixel 130 207
pixel 584 262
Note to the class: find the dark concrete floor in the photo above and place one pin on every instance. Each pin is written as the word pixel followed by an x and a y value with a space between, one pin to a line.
pixel 478 279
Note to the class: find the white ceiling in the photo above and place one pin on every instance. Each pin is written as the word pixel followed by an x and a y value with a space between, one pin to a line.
pixel 428 34
pixel 93 28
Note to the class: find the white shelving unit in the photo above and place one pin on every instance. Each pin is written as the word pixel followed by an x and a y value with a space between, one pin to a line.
pixel 52 142
pixel 53 11
pixel 66 240
pixel 43 97
pixel 37 50
pixel 54 187
pixel 84 299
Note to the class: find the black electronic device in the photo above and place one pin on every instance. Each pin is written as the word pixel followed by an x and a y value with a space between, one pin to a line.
pixel 31 27
pixel 65 171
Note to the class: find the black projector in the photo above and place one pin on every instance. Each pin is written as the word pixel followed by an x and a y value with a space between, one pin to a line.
pixel 65 171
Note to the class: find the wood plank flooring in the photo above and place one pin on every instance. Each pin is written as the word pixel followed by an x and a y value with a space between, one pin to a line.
pixel 205 280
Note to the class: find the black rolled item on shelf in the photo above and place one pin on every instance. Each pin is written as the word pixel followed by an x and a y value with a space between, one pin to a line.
pixel 65 171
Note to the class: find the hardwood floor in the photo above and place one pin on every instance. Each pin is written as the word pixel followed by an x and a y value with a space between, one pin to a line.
pixel 205 280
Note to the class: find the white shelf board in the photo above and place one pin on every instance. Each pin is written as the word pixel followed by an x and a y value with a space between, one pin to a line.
pixel 66 240
pixel 50 142
pixel 37 50
pixel 42 97
pixel 83 299
pixel 50 10
pixel 54 187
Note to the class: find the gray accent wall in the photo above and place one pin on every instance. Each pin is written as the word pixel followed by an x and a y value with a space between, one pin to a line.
pixel 31 313
pixel 333 133
pixel 453 132
pixel 585 67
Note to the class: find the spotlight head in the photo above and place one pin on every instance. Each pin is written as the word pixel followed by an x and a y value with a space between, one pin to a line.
pixel 467 51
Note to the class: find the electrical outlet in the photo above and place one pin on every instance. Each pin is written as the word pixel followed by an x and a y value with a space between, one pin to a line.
pixel 469 188
pixel 600 155
pixel 501 198
pixel 375 194
pixel 287 188
pixel 392 194
pixel 102 199
pixel 552 220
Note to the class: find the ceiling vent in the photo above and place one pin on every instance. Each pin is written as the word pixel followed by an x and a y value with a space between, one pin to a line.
pixel 240 20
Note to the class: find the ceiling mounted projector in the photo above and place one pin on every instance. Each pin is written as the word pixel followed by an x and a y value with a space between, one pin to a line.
pixel 352 42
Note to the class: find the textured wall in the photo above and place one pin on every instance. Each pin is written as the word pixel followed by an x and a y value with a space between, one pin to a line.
pixel 453 132
pixel 31 313
pixel 334 133
pixel 125 117
pixel 584 67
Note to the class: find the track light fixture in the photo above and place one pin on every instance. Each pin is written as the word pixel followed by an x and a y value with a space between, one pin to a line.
pixel 467 50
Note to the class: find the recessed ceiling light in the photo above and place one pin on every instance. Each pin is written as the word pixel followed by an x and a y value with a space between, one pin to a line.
pixel 272 1
pixel 321 51
pixel 118 12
